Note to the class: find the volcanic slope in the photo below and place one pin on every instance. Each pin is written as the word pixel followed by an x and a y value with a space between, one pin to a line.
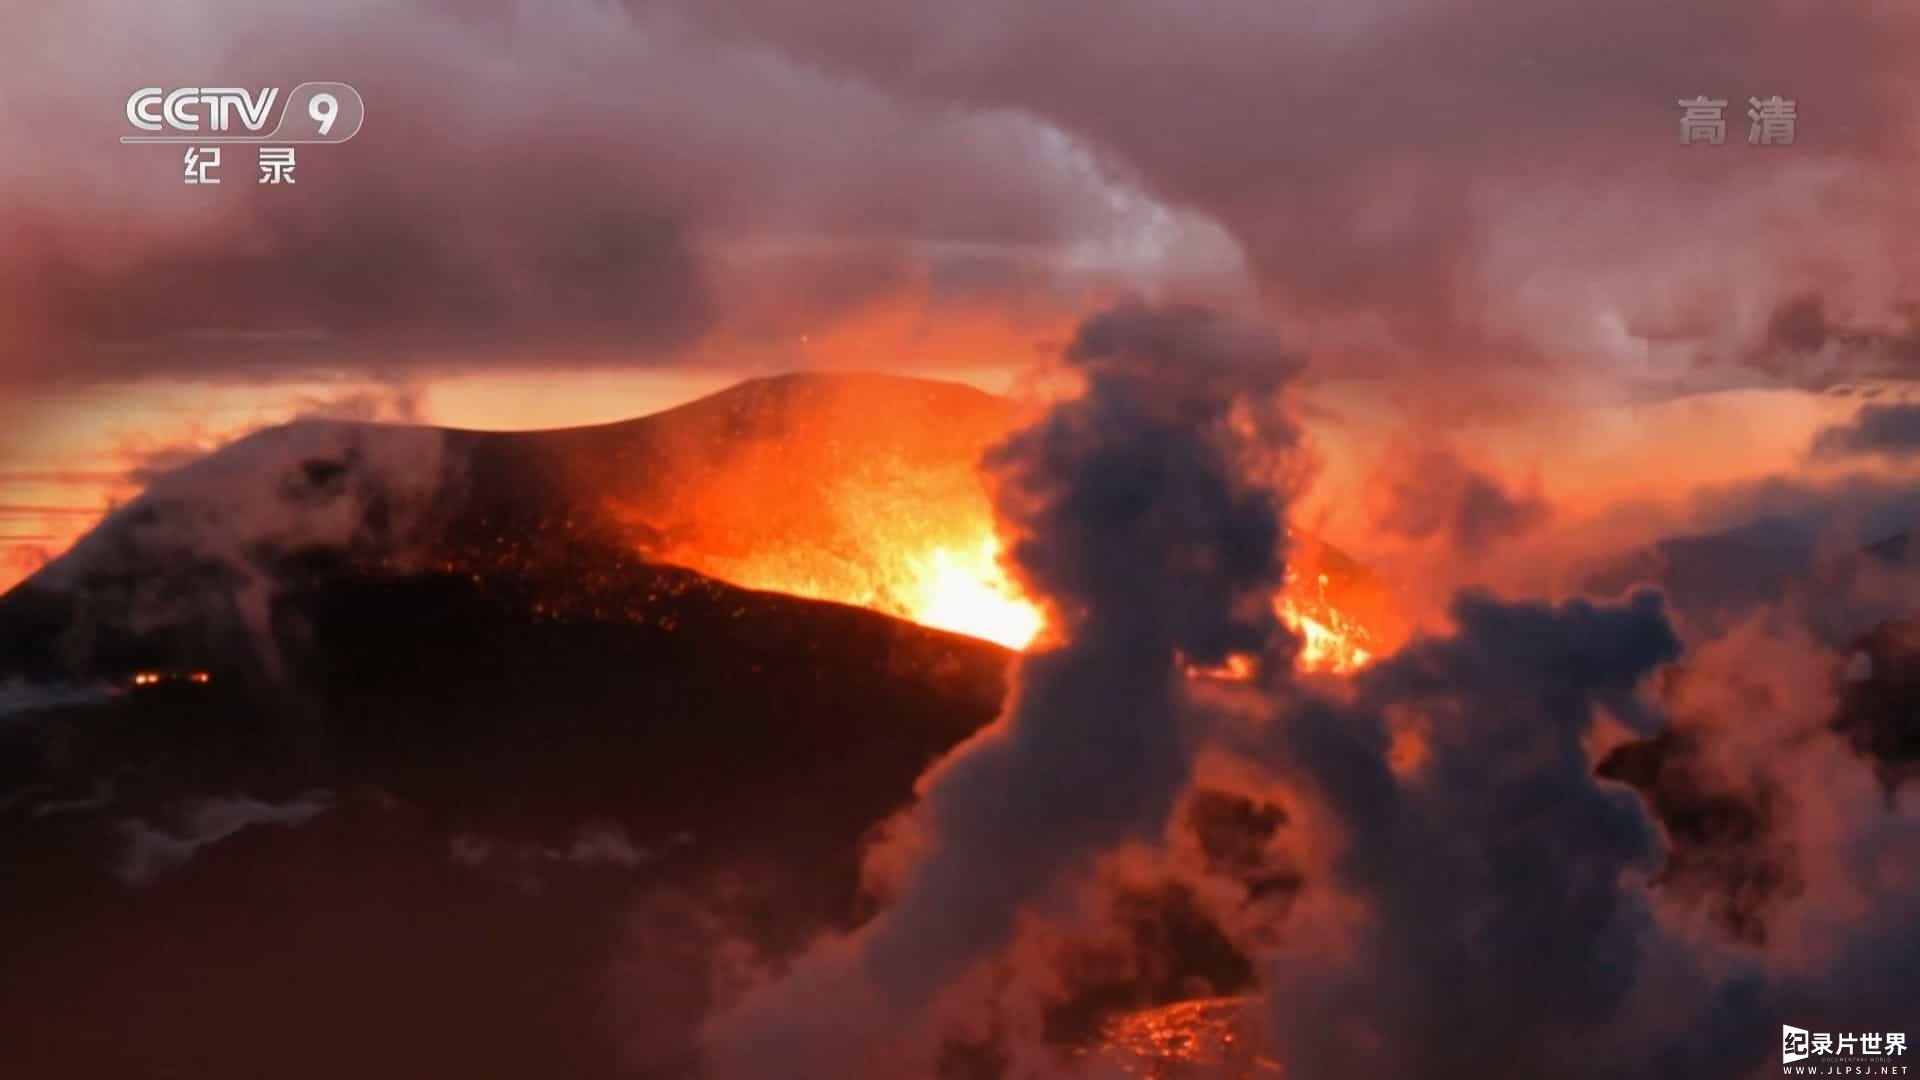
pixel 359 750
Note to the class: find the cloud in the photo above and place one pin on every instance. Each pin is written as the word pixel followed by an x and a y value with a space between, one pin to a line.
pixel 1890 431
pixel 1804 345
pixel 1430 187
pixel 151 850
pixel 227 526
pixel 1421 866
pixel 1447 188
pixel 1432 494
pixel 595 846
pixel 18 699
pixel 579 184
pixel 1832 552
pixel 1133 514
pixel 1483 906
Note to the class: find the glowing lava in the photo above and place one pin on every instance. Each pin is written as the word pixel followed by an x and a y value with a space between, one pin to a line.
pixel 966 590
pixel 962 586
pixel 939 567
pixel 1211 1037
pixel 1329 639
pixel 881 505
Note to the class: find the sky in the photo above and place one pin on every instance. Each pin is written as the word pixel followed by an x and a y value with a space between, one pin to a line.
pixel 1476 220
pixel 1513 315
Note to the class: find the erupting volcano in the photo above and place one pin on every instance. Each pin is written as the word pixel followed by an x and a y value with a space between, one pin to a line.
pixel 661 540
pixel 865 490
pixel 963 585
pixel 645 599
pixel 939 566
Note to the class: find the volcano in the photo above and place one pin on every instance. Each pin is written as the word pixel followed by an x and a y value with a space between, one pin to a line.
pixel 404 751
pixel 426 744
pixel 856 488
pixel 356 749
pixel 455 827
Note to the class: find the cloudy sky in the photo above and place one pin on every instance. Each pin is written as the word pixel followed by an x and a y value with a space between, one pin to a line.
pixel 1475 217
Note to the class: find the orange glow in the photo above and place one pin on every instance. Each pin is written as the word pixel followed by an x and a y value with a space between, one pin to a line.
pixel 860 489
pixel 924 568
pixel 1330 640
pixel 158 678
pixel 865 490
pixel 966 590
pixel 1239 668
pixel 954 582
pixel 1203 1036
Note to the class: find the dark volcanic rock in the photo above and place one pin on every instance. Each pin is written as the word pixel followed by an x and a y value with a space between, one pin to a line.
pixel 468 786
pixel 519 799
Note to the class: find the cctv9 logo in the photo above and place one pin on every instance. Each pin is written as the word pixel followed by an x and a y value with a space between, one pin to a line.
pixel 314 112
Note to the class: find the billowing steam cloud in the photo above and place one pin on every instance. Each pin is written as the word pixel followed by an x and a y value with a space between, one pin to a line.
pixel 1133 515
pixel 1461 889
pixel 1499 887
pixel 227 528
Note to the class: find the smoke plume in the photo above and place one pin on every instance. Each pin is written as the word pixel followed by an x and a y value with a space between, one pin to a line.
pixel 1419 870
pixel 1133 515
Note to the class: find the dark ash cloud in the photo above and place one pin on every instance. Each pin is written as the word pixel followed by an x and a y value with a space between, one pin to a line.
pixel 1433 493
pixel 1134 515
pixel 1806 346
pixel 1423 864
pixel 1889 431
pixel 1503 922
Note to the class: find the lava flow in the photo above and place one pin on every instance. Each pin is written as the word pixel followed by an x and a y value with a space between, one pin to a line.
pixel 867 492
pixel 1330 640
pixel 953 578
pixel 941 570
pixel 1201 1037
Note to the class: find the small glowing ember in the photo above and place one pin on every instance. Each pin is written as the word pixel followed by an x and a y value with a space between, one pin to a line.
pixel 1238 668
pixel 158 678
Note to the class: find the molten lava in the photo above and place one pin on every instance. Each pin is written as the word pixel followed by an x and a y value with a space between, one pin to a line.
pixel 950 580
pixel 1329 639
pixel 939 569
pixel 867 492
pixel 968 591
pixel 1210 1037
